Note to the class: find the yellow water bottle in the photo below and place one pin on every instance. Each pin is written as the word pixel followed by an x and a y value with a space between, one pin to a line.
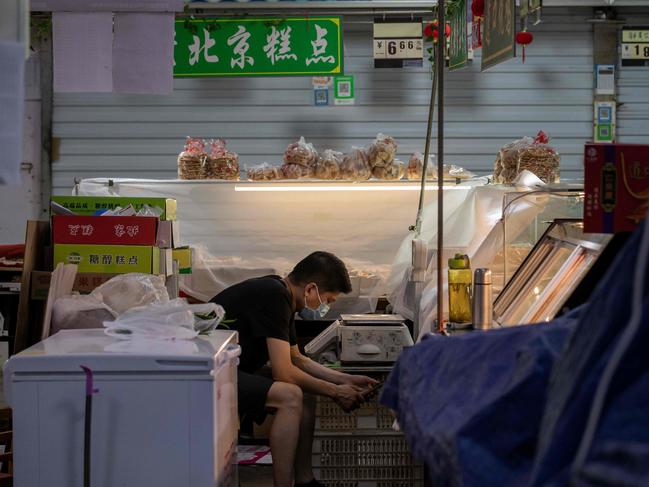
pixel 459 289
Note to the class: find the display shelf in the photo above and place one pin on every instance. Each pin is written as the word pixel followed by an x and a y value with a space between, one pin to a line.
pixel 298 184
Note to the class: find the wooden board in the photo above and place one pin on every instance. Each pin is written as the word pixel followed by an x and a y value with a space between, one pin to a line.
pixel 29 319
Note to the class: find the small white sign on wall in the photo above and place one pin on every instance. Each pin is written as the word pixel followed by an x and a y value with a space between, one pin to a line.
pixel 398 43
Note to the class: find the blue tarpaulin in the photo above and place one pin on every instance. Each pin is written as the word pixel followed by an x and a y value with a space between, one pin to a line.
pixel 509 407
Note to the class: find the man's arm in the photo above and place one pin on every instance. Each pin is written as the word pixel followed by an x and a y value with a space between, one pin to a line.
pixel 279 352
pixel 315 369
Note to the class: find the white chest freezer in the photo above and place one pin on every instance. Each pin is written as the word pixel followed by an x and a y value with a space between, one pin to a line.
pixel 165 414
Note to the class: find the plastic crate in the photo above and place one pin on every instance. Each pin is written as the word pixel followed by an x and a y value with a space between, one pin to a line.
pixel 365 461
pixel 371 416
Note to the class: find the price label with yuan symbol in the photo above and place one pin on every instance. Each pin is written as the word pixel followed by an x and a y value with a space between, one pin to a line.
pixel 398 43
pixel 635 46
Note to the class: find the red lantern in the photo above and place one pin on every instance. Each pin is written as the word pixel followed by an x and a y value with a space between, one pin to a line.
pixel 428 30
pixel 477 8
pixel 524 38
pixel 435 34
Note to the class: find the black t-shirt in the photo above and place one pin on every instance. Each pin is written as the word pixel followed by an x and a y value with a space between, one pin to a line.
pixel 261 308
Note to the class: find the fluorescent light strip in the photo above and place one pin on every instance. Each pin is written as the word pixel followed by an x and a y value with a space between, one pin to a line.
pixel 369 187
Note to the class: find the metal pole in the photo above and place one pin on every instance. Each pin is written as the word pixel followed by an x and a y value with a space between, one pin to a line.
pixel 440 64
pixel 431 112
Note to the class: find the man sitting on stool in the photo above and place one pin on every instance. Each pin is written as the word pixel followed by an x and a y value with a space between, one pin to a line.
pixel 262 310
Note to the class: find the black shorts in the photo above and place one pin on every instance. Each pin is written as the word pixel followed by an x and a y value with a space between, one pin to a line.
pixel 252 394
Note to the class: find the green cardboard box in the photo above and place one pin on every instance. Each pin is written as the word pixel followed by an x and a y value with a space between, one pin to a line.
pixel 114 259
pixel 88 205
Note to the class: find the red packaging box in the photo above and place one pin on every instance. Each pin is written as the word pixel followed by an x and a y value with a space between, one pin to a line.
pixel 104 230
pixel 617 187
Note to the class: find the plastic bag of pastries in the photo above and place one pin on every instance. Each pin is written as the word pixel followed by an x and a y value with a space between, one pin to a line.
pixel 531 154
pixel 217 148
pixel 506 163
pixel 264 172
pixel 328 165
pixel 382 151
pixel 301 153
pixel 451 171
pixel 394 171
pixel 192 159
pixel 356 166
pixel 226 167
pixel 195 146
pixel 416 166
pixel 296 171
pixel 541 159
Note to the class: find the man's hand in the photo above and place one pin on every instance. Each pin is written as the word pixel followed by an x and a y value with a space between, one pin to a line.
pixel 360 382
pixel 348 397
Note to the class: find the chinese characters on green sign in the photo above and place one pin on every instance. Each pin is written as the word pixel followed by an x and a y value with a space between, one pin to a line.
pixel 258 47
pixel 459 49
pixel 499 34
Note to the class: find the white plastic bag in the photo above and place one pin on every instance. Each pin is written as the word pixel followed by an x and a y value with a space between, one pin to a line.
pixel 175 319
pixel 79 312
pixel 127 291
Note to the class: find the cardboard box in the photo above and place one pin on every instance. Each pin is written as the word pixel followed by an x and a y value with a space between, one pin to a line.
pixel 114 259
pixel 84 283
pixel 617 187
pixel 105 230
pixel 40 285
pixel 184 258
pixel 89 205
pixel 87 282
pixel 168 234
pixel 166 262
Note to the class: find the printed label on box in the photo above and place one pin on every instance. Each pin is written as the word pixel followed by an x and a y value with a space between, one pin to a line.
pixel 110 259
pixel 105 230
pixel 89 205
pixel 617 187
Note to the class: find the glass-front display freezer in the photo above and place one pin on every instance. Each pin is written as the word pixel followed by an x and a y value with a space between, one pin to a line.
pixel 550 273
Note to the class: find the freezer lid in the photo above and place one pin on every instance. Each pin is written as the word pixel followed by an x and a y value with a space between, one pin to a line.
pixel 68 349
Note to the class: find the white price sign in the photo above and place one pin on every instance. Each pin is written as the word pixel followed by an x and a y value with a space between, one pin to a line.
pixel 398 43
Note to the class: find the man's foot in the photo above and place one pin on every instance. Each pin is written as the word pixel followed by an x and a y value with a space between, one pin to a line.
pixel 313 483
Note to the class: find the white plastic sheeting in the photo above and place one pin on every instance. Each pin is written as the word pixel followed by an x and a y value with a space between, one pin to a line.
pixel 365 225
pixel 212 274
pixel 237 235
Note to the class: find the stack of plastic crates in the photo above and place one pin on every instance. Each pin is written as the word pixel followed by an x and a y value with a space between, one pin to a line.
pixel 361 449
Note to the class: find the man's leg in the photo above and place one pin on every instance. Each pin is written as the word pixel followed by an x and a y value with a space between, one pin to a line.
pixel 285 430
pixel 303 457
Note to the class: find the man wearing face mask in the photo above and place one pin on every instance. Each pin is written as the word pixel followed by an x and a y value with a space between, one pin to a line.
pixel 262 310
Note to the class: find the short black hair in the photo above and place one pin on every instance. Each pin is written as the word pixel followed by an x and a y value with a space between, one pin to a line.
pixel 325 269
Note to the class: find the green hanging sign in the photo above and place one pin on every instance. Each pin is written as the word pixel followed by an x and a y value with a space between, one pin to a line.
pixel 499 34
pixel 459 48
pixel 292 46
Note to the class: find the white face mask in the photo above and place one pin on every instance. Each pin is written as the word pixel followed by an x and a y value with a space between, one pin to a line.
pixel 311 314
